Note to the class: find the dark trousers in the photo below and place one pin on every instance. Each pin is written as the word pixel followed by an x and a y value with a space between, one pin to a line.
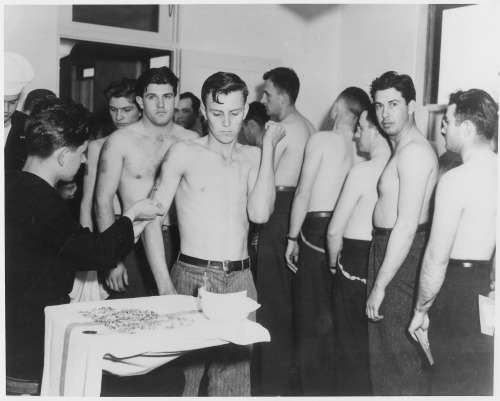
pixel 398 366
pixel 463 355
pixel 352 373
pixel 313 311
pixel 272 362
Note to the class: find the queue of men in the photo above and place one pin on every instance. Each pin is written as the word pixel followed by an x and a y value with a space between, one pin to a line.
pixel 361 264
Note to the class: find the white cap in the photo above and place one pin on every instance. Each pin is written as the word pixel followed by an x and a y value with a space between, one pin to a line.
pixel 18 73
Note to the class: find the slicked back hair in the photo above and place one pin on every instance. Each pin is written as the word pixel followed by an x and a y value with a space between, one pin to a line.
pixel 55 123
pixel 222 83
pixel 284 80
pixel 123 87
pixel 195 102
pixel 355 99
pixel 391 79
pixel 159 76
pixel 477 106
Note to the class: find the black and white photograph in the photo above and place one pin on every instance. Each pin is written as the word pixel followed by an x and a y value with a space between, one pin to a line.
pixel 250 200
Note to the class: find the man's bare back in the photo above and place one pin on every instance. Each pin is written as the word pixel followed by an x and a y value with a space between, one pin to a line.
pixel 290 150
pixel 213 192
pixel 333 152
pixel 414 151
pixel 474 186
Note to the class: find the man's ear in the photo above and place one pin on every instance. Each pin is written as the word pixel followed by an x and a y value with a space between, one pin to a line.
pixel 411 107
pixel 60 155
pixel 245 111
pixel 203 111
pixel 140 101
pixel 469 128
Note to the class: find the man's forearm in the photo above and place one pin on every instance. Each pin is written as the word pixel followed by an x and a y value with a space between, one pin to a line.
pixel 104 213
pixel 431 279
pixel 153 245
pixel 334 244
pixel 261 200
pixel 298 212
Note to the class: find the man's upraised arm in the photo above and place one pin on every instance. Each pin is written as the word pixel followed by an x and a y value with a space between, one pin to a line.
pixel 262 195
pixel 164 191
pixel 89 182
pixel 108 178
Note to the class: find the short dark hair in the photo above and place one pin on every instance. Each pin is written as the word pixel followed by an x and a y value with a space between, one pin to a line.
pixel 222 83
pixel 159 76
pixel 123 87
pixel 195 102
pixel 35 96
pixel 355 99
pixel 477 106
pixel 391 79
pixel 55 123
pixel 285 80
pixel 257 112
pixel 371 117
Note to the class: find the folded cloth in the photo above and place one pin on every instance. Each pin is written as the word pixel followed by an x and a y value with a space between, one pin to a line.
pixel 226 307
pixel 77 349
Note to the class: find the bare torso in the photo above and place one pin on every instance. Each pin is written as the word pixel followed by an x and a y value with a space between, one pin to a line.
pixel 290 150
pixel 212 201
pixel 360 223
pixel 476 233
pixel 336 161
pixel 386 208
pixel 142 159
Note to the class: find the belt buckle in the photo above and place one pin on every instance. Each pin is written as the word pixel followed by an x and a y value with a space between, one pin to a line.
pixel 225 265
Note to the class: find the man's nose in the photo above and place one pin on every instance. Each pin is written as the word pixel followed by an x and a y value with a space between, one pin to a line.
pixel 225 121
pixel 119 115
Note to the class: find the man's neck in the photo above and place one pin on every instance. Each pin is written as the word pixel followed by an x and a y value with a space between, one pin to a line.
pixel 40 168
pixel 286 112
pixel 7 124
pixel 405 135
pixel 157 131
pixel 475 151
pixel 380 150
pixel 224 149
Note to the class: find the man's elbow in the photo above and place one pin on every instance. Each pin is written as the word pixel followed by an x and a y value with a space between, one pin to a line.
pixel 260 216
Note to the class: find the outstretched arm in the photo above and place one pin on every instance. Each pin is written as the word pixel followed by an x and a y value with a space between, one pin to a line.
pixel 164 191
pixel 447 212
pixel 262 188
pixel 412 188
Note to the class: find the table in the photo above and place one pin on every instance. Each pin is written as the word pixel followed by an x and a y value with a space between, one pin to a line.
pixel 78 350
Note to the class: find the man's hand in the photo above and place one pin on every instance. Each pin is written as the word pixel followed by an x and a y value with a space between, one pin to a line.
pixel 167 289
pixel 274 132
pixel 420 322
pixel 292 255
pixel 373 303
pixel 145 209
pixel 67 190
pixel 117 278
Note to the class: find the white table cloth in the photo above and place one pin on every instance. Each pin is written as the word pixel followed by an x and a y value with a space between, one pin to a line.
pixel 77 349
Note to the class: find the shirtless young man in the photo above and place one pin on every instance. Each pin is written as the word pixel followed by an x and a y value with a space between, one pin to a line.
pixel 120 95
pixel 457 258
pixel 128 165
pixel 349 239
pixel 218 185
pixel 400 232
pixel 328 158
pixel 273 364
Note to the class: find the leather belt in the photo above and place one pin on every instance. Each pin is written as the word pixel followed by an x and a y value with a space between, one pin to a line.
pixel 319 214
pixel 227 266
pixel 467 264
pixel 280 188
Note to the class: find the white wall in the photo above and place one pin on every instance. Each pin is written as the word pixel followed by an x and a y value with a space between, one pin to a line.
pixel 379 38
pixel 32 32
pixel 304 38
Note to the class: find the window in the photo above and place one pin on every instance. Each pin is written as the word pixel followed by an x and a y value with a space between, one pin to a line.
pixel 461 53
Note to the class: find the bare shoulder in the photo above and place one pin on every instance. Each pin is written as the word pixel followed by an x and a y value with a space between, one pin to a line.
pixel 417 151
pixel 251 152
pixel 181 134
pixel 298 127
pixel 95 146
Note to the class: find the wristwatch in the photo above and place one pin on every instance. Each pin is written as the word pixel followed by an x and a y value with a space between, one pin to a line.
pixel 292 238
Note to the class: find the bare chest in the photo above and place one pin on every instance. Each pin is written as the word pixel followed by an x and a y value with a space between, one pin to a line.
pixel 144 159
